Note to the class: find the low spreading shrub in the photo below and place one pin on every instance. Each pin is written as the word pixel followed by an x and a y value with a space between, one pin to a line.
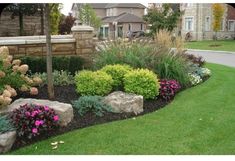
pixel 194 79
pixel 32 120
pixel 142 82
pixel 13 77
pixel 60 78
pixel 93 83
pixel 168 89
pixel 117 72
pixel 93 104
pixel 5 125
pixel 65 63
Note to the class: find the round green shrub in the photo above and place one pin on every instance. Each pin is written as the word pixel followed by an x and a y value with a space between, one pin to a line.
pixel 93 83
pixel 142 82
pixel 117 72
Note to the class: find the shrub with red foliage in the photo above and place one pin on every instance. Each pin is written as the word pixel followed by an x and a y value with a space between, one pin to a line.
pixel 32 120
pixel 66 23
pixel 168 89
pixel 196 59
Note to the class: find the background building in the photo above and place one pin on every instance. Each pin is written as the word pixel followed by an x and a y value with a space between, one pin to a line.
pixel 198 19
pixel 117 18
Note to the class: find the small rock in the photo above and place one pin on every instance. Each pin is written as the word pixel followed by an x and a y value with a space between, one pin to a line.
pixel 6 141
pixel 125 102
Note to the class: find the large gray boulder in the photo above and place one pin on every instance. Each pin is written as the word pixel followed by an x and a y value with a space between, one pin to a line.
pixel 125 102
pixel 64 110
pixel 6 141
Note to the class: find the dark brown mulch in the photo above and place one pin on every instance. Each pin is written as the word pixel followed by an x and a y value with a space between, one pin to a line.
pixel 67 94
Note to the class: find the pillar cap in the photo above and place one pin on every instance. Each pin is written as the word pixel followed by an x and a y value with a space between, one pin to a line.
pixel 80 28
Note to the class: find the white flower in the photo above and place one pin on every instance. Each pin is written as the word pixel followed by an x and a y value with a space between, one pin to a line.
pixel 194 79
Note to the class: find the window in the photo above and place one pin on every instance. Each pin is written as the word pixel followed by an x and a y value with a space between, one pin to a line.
pixel 231 25
pixel 207 23
pixel 129 27
pixel 108 12
pixel 111 12
pixel 188 23
pixel 141 27
pixel 189 4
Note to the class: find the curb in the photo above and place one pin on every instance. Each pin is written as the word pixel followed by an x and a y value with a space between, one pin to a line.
pixel 215 51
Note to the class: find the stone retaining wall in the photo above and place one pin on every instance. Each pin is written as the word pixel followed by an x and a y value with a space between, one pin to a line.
pixel 80 43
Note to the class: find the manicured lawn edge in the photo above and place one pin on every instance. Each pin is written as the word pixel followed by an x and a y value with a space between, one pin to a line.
pixel 199 121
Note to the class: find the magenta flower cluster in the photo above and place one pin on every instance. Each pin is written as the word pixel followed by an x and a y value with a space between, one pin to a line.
pixel 168 89
pixel 32 120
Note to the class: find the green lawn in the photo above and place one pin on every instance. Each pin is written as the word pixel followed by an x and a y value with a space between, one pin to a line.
pixel 226 45
pixel 201 120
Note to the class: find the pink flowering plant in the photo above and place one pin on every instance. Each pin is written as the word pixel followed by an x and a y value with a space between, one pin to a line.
pixel 32 120
pixel 168 89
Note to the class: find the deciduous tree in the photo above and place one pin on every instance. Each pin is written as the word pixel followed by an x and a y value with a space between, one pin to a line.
pixel 88 16
pixel 162 18
pixel 218 12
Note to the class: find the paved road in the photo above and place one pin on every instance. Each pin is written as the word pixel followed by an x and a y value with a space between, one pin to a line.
pixel 219 57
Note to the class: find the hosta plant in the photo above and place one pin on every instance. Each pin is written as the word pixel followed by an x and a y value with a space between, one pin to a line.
pixel 168 89
pixel 13 77
pixel 31 120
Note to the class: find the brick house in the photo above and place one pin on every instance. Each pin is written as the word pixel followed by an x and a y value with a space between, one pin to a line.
pixel 198 20
pixel 117 18
pixel 10 26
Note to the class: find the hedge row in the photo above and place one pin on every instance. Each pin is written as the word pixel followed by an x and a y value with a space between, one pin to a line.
pixel 68 63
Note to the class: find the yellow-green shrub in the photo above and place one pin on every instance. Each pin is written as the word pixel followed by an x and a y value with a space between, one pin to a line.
pixel 142 82
pixel 93 83
pixel 117 72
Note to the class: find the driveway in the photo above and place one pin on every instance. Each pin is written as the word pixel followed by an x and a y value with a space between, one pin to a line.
pixel 219 57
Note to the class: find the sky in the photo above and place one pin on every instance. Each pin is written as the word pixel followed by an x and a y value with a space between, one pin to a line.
pixel 67 7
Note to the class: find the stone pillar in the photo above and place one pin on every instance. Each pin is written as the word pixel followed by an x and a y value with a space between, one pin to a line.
pixel 85 46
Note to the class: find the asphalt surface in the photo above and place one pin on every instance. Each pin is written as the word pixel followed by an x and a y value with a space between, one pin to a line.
pixel 218 57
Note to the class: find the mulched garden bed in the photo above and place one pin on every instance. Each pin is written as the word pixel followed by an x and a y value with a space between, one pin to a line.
pixel 67 94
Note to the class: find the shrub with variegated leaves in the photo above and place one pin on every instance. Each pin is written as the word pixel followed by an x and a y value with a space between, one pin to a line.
pixel 13 77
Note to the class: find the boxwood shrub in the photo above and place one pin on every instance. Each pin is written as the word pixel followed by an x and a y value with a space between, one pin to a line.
pixel 142 82
pixel 93 83
pixel 68 63
pixel 117 72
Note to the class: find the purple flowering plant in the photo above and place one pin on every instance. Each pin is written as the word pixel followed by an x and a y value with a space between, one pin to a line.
pixel 31 120
pixel 168 89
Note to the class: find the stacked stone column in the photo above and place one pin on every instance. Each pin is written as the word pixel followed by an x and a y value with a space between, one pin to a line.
pixel 85 46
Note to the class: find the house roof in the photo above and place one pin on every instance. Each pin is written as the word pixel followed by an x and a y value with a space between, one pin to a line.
pixel 124 17
pixel 124 5
pixel 112 5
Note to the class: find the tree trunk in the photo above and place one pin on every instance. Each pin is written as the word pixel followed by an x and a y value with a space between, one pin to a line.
pixel 42 19
pixel 50 86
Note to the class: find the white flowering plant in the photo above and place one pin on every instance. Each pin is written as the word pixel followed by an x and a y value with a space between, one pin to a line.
pixel 194 79
pixel 13 77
